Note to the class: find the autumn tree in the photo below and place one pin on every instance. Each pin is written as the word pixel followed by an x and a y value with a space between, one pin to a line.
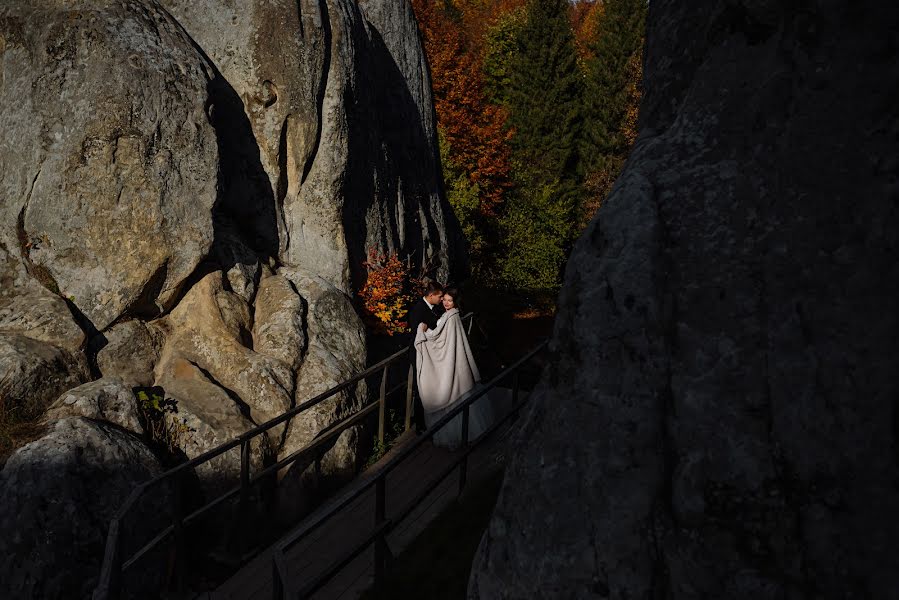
pixel 475 151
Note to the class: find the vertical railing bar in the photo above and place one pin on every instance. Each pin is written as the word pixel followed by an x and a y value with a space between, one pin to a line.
pixel 109 588
pixel 278 583
pixel 244 502
pixel 382 407
pixel 410 382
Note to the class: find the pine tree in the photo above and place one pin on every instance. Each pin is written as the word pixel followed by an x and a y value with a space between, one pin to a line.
pixel 615 48
pixel 613 33
pixel 545 97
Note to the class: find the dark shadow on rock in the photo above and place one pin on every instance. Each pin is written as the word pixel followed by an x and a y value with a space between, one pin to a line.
pixel 245 197
pixel 391 157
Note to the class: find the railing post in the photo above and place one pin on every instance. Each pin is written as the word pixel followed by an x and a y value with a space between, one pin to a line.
pixel 382 407
pixel 178 525
pixel 380 514
pixel 463 466
pixel 410 382
pixel 277 582
pixel 110 582
pixel 244 502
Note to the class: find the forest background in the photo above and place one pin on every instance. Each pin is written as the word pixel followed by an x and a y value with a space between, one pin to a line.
pixel 537 104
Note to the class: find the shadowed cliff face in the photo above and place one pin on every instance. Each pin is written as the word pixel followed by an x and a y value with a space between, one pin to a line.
pixel 720 419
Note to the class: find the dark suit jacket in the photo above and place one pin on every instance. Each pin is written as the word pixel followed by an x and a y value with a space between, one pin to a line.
pixel 420 313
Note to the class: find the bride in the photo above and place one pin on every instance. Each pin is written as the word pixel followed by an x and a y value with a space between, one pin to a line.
pixel 447 374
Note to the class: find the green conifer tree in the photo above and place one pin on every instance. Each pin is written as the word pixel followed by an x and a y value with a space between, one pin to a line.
pixel 545 101
pixel 618 39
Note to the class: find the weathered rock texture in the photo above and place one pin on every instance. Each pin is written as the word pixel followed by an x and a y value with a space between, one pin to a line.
pixel 107 399
pixel 340 107
pixel 719 420
pixel 69 484
pixel 110 162
pixel 188 191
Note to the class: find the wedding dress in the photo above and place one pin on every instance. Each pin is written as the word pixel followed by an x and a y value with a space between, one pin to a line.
pixel 447 375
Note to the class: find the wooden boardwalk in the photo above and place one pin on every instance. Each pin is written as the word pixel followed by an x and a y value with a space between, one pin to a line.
pixel 333 539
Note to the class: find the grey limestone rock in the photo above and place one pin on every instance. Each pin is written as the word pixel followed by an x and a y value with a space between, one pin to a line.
pixel 33 374
pixel 30 309
pixel 108 193
pixel 70 482
pixel 333 353
pixel 208 416
pixel 107 399
pixel 279 325
pixel 212 328
pixel 719 416
pixel 130 353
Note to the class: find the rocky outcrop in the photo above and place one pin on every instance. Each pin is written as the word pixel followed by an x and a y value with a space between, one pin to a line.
pixel 33 374
pixel 208 416
pixel 107 399
pixel 337 96
pixel 28 308
pixel 131 352
pixel 70 482
pixel 212 328
pixel 109 192
pixel 328 359
pixel 718 420
pixel 189 192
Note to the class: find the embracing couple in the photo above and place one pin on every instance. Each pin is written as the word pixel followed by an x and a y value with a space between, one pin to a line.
pixel 445 369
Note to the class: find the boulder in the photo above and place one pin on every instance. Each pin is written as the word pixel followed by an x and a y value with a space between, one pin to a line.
pixel 130 353
pixel 111 179
pixel 409 209
pixel 30 309
pixel 71 482
pixel 33 374
pixel 212 329
pixel 279 327
pixel 718 417
pixel 206 417
pixel 336 352
pixel 108 399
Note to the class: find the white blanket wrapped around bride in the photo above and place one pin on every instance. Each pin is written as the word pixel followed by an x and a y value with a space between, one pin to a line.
pixel 447 374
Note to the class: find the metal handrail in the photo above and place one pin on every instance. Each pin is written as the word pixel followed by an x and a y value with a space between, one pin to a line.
pixel 282 588
pixel 114 563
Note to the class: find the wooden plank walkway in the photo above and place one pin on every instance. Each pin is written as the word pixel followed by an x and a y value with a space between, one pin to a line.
pixel 333 539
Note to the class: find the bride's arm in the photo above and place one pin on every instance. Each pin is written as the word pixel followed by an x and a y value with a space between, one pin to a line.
pixel 438 329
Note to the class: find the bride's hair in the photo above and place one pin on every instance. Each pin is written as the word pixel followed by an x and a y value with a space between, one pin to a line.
pixel 456 295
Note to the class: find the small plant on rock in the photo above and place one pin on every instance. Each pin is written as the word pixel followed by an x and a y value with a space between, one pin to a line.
pixel 159 418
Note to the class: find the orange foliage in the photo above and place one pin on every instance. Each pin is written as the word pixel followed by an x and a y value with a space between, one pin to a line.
pixel 386 293
pixel 585 18
pixel 474 129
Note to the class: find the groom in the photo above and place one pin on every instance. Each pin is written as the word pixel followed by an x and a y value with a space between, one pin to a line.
pixel 426 309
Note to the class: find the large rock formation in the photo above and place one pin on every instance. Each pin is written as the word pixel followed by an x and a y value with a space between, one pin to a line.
pixel 55 497
pixel 110 163
pixel 188 191
pixel 719 419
